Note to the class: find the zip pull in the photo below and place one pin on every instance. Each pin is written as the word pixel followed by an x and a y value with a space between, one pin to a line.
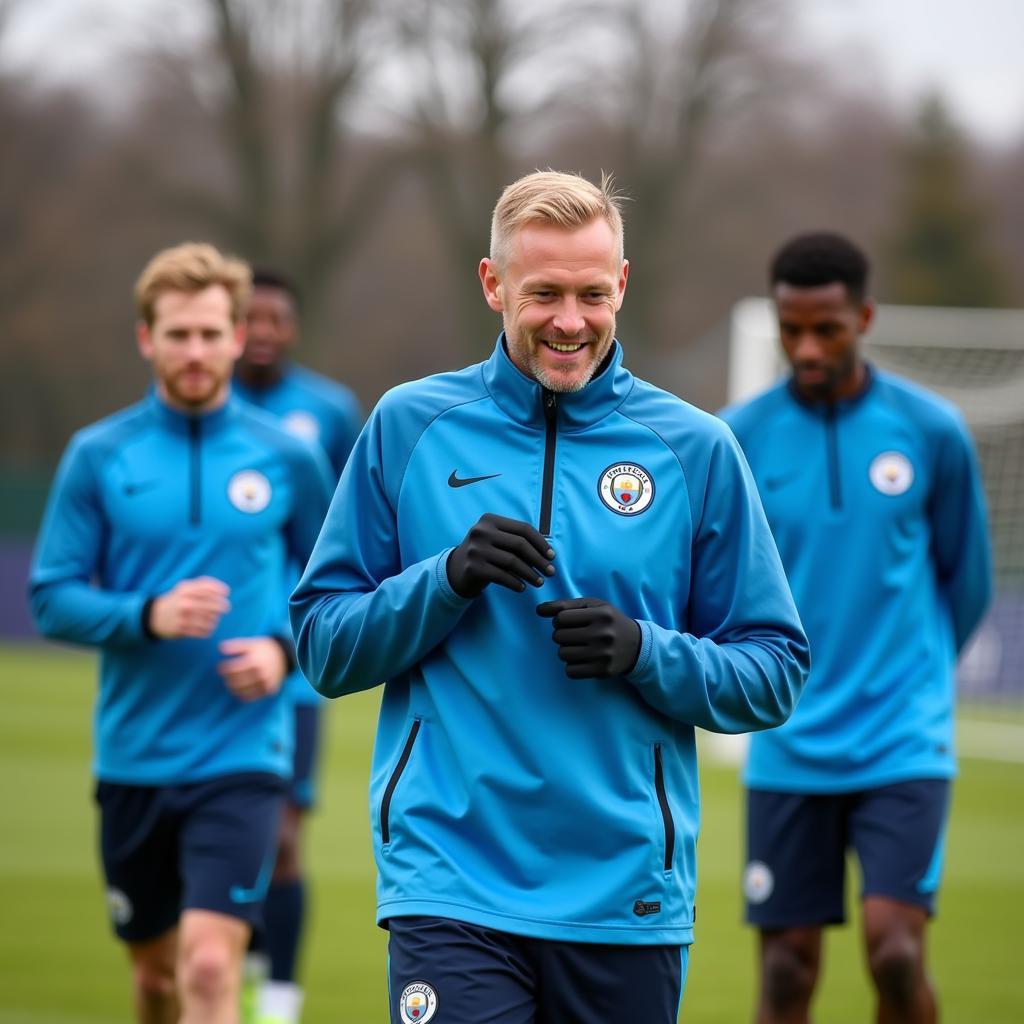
pixel 550 403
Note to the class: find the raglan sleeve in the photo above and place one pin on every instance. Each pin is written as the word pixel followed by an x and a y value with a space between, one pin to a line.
pixel 740 659
pixel 960 535
pixel 359 616
pixel 65 601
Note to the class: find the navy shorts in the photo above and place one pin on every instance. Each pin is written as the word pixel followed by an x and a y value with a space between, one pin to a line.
pixel 203 846
pixel 302 789
pixel 451 972
pixel 797 845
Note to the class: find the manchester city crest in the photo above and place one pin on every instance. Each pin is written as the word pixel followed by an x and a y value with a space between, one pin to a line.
pixel 626 488
pixel 302 424
pixel 417 1003
pixel 249 491
pixel 891 473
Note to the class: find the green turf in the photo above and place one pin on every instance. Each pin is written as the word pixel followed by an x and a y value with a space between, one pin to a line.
pixel 59 965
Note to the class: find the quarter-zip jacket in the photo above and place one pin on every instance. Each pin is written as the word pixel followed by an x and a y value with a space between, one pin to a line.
pixel 502 792
pixel 142 500
pixel 321 412
pixel 878 510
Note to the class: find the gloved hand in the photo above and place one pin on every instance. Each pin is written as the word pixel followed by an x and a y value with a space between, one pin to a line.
pixel 502 551
pixel 595 639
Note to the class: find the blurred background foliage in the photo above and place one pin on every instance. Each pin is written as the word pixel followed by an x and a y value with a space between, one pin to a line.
pixel 360 145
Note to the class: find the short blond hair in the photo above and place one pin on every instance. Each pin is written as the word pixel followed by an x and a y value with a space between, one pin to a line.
pixel 193 267
pixel 552 197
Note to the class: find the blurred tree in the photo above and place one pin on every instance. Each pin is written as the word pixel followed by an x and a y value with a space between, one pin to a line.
pixel 683 72
pixel 940 252
pixel 485 77
pixel 280 83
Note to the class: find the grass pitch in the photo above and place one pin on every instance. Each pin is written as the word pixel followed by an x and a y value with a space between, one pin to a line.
pixel 60 965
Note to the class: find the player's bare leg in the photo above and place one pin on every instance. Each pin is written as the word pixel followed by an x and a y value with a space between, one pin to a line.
pixel 790 964
pixel 153 985
pixel 894 934
pixel 210 955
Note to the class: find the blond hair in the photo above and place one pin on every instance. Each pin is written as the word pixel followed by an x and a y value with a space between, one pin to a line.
pixel 552 197
pixel 193 267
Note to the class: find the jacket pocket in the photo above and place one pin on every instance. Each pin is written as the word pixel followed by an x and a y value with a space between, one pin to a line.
pixel 389 789
pixel 666 811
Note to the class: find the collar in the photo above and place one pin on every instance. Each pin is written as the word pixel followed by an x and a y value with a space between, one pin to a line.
pixel 522 398
pixel 181 422
pixel 844 405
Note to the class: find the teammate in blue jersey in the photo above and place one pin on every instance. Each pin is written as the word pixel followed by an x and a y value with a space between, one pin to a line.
pixel 559 571
pixel 325 413
pixel 166 540
pixel 871 487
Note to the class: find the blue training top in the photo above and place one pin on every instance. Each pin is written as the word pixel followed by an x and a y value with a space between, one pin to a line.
pixel 503 793
pixel 325 413
pixel 142 500
pixel 312 407
pixel 879 513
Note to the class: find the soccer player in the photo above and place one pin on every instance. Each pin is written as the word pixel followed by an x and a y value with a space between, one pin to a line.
pixel 871 487
pixel 534 785
pixel 165 543
pixel 322 412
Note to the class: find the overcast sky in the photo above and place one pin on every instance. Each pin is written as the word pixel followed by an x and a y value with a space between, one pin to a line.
pixel 970 49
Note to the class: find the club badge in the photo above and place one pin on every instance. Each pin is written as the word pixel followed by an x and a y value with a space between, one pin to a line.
pixel 417 1003
pixel 119 906
pixel 249 491
pixel 758 881
pixel 891 473
pixel 302 424
pixel 626 488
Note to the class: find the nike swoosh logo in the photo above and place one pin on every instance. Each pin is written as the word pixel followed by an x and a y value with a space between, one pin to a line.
pixel 454 481
pixel 138 488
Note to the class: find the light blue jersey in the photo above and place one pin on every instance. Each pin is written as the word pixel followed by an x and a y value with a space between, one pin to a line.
pixel 322 412
pixel 143 500
pixel 312 407
pixel 503 793
pixel 879 514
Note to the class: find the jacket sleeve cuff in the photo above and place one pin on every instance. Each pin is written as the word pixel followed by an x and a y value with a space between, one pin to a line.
pixel 287 646
pixel 144 617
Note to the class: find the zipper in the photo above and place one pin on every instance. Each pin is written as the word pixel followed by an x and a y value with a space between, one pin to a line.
pixel 195 468
pixel 832 454
pixel 550 400
pixel 666 811
pixel 389 790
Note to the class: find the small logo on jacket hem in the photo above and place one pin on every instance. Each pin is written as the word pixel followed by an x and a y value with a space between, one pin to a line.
pixel 644 909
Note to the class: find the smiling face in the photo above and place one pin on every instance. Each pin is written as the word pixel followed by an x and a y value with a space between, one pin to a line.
pixel 558 293
pixel 192 345
pixel 820 328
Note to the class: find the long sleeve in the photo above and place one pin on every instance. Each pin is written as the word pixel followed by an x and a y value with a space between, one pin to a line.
pixel 742 660
pixel 65 602
pixel 963 555
pixel 357 616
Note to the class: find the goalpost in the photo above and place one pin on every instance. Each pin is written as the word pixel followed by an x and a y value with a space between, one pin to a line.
pixel 974 358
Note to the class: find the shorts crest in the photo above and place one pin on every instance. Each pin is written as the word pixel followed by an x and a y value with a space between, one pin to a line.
pixel 417 1003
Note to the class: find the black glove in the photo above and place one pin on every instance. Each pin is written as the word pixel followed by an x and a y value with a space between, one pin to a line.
pixel 595 639
pixel 502 551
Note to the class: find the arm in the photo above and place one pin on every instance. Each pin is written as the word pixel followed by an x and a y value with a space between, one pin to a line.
pixel 351 422
pixel 963 556
pixel 358 616
pixel 742 659
pixel 65 603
